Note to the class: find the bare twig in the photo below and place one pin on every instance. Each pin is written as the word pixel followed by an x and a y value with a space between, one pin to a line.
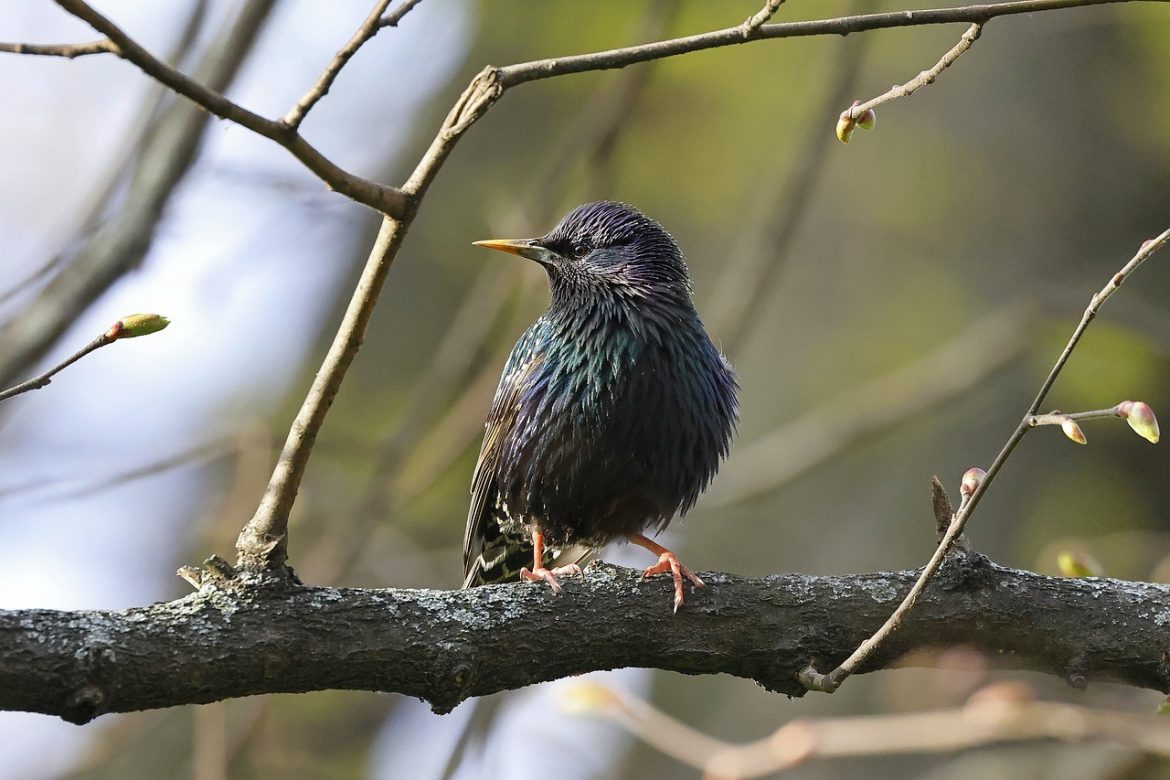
pixel 122 164
pixel 385 199
pixel 66 50
pixel 831 681
pixel 490 84
pixel 997 714
pixel 262 544
pixel 394 17
pixel 753 23
pixel 369 28
pixel 127 327
pixel 52 488
pixel 39 381
pixel 843 25
pixel 112 245
pixel 921 80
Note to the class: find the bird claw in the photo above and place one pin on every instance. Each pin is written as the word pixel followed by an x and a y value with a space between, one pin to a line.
pixel 669 562
pixel 541 574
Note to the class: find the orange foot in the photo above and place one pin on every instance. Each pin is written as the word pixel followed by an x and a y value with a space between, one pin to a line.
pixel 668 562
pixel 541 574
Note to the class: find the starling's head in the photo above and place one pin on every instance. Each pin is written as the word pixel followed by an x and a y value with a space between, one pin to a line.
pixel 605 247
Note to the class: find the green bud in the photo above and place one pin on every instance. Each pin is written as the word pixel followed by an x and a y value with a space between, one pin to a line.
pixel 137 325
pixel 1078 564
pixel 845 126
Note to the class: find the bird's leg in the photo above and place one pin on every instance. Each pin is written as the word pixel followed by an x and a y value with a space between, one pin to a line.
pixel 667 562
pixel 541 574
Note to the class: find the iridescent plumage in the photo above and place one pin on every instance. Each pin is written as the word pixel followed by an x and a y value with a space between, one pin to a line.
pixel 614 409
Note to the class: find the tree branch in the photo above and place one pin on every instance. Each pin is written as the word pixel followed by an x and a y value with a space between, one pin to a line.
pixel 239 637
pixel 856 115
pixel 829 682
pixel 67 50
pixel 385 199
pixel 263 543
pixel 45 377
pixel 127 327
pixel 922 79
pixel 490 84
pixel 369 28
pixel 999 713
pixel 108 247
pixel 522 73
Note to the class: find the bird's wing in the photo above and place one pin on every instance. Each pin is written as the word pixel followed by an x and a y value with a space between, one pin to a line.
pixel 484 542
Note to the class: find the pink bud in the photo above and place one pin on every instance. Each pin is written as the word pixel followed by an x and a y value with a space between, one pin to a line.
pixel 972 479
pixel 1141 418
pixel 1073 431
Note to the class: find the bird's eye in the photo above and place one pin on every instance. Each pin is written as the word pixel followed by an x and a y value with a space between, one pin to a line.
pixel 578 249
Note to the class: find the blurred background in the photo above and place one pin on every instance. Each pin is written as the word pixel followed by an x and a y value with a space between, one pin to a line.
pixel 891 307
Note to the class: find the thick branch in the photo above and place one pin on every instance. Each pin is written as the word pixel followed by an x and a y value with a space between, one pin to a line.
pixel 446 646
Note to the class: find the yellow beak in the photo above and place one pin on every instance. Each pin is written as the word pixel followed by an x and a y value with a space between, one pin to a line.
pixel 524 247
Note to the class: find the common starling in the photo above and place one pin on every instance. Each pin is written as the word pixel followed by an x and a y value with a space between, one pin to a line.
pixel 613 411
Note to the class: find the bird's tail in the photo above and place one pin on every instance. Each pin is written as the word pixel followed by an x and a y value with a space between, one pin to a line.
pixel 502 561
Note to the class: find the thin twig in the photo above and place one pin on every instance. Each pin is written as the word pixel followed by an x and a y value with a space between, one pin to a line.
pixel 40 380
pixel 828 683
pixel 121 165
pixel 754 22
pixel 58 488
pixel 1056 418
pixel 262 544
pixel 843 25
pixel 388 200
pixel 66 50
pixel 490 84
pixel 922 79
pixel 394 17
pixel 369 28
pixel 1001 713
pixel 111 241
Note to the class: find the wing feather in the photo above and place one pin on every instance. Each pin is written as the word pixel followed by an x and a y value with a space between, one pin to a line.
pixel 485 544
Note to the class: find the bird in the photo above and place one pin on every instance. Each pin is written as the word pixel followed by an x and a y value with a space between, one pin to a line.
pixel 613 412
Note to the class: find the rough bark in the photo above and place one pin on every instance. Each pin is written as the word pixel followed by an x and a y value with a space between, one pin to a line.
pixel 245 636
